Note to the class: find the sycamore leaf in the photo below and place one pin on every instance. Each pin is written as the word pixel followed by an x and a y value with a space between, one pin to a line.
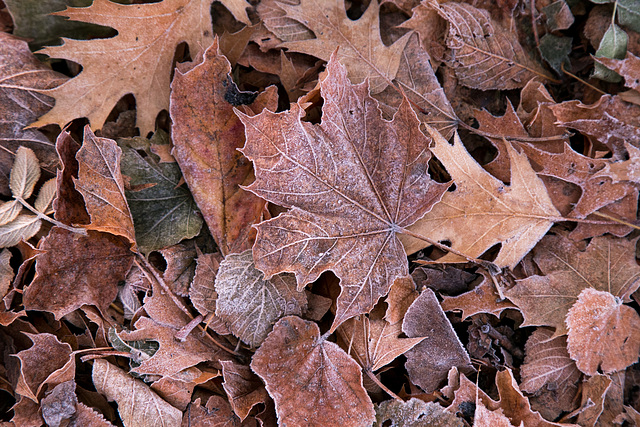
pixel 101 184
pixel 414 413
pixel 607 264
pixel 9 211
pixel 248 303
pixel 483 54
pixel 361 49
pixel 23 227
pixel 206 134
pixel 489 212
pixel 138 405
pixel 351 182
pixel 603 333
pixel 312 381
pixel 163 211
pixel 138 60
pixel 46 196
pixel 24 173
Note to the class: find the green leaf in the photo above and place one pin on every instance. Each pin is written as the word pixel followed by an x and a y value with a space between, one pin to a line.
pixel 613 45
pixel 24 173
pixel 163 210
pixel 555 50
pixel 629 14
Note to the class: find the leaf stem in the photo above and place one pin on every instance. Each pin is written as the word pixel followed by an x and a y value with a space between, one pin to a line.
pixel 382 386
pixel 44 217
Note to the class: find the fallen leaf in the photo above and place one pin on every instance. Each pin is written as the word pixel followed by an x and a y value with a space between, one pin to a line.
pixel 312 381
pixel 347 198
pixel 361 49
pixel 244 388
pixel 25 173
pixel 484 298
pixel 629 68
pixel 402 294
pixel 607 264
pixel 486 418
pixel 602 400
pixel 101 184
pixel 140 59
pixel 23 227
pixel 517 216
pixel 217 412
pixel 137 404
pixel 86 415
pixel 69 204
pixel 248 303
pixel 206 134
pixel 602 332
pixel 181 266
pixel 60 404
pixel 163 211
pixel 6 272
pixel 414 413
pixel 75 270
pixel 429 361
pixel 445 279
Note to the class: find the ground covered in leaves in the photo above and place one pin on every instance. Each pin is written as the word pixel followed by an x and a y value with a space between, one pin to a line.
pixel 319 213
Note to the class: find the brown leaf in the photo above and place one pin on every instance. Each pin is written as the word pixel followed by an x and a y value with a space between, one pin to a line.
pixel 446 279
pixel 607 264
pixel 206 134
pixel 202 291
pixel 60 404
pixel 75 270
pixel 602 398
pixel 181 266
pixel 603 332
pixel 312 381
pixel 21 76
pixel 486 418
pixel 484 298
pixel 244 388
pixel 349 194
pixel 69 205
pixel 484 54
pixel 249 304
pixel 429 362
pixel 138 60
pixel 626 170
pixel 402 294
pixel 100 182
pixel 86 416
pixel 216 413
pixel 629 68
pixel 137 404
pixel 517 216
pixel 549 373
pixel 361 49
pixel 414 413
pixel 178 389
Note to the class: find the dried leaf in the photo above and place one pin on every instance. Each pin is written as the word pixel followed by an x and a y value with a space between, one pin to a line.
pixel 349 195
pixel 69 205
pixel 6 272
pixel 206 134
pixel 607 264
pixel 46 196
pixel 602 398
pixel 23 227
pixel 484 298
pixel 202 290
pixel 181 266
pixel 486 418
pixel 9 211
pixel 603 333
pixel 60 404
pixel 312 381
pixel 248 303
pixel 24 173
pixel 137 404
pixel 429 362
pixel 414 413
pixel 140 59
pixel 517 216
pixel 244 388
pixel 629 68
pixel 75 270
pixel 163 211
pixel 361 49
pixel 101 184
pixel 484 54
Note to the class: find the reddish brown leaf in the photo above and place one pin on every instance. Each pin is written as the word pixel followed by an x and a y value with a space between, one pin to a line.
pixel 607 264
pixel 69 203
pixel 100 182
pixel 603 333
pixel 181 266
pixel 484 298
pixel 312 381
pixel 414 413
pixel 244 388
pixel 602 398
pixel 216 413
pixel 349 195
pixel 60 404
pixel 402 294
pixel 429 362
pixel 629 68
pixel 206 134
pixel 75 270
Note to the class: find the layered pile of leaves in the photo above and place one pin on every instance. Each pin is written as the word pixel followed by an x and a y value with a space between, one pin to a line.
pixel 318 213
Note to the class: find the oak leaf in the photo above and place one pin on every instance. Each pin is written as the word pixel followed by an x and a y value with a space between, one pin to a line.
pixel 489 212
pixel 352 182
pixel 140 58
pixel 607 264
pixel 248 303
pixel 603 332
pixel 361 49
pixel 206 134
pixel 312 381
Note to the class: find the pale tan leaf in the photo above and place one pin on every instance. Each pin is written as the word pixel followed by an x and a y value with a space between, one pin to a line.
pixel 489 212
pixel 24 173
pixel 22 228
pixel 46 196
pixel 6 272
pixel 138 405
pixel 486 418
pixel 9 211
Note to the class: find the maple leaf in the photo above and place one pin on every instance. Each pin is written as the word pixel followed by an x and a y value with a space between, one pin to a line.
pixel 607 264
pixel 603 332
pixel 206 134
pixel 489 212
pixel 138 60
pixel 351 182
pixel 359 41
pixel 312 381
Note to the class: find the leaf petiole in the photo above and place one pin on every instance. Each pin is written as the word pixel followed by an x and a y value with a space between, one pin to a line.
pixel 44 217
